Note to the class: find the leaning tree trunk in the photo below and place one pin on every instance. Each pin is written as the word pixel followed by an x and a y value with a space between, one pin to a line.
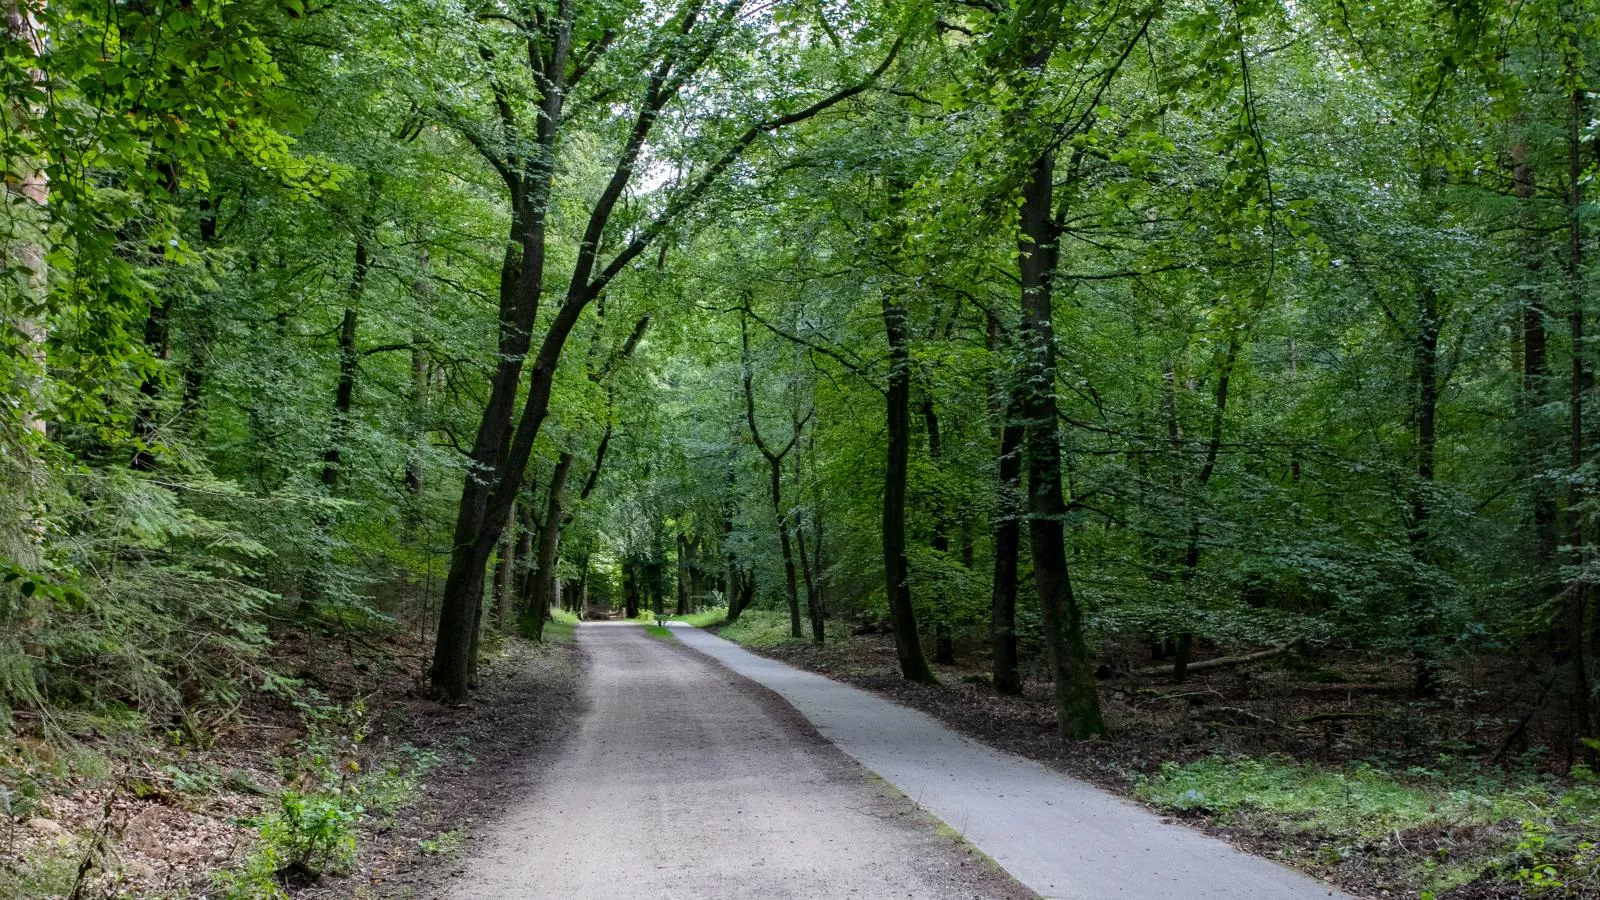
pixel 1076 696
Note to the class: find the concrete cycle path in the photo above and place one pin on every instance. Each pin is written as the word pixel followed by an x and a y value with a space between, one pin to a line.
pixel 1062 837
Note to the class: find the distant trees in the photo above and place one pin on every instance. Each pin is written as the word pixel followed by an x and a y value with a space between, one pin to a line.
pixel 1263 322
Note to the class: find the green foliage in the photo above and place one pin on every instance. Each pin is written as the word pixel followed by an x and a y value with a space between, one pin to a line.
pixel 705 618
pixel 442 844
pixel 759 628
pixel 1360 802
pixel 1550 830
pixel 315 828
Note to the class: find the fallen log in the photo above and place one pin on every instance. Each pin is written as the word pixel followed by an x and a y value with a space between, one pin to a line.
pixel 1223 662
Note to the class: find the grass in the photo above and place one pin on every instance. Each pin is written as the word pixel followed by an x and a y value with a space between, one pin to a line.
pixel 656 631
pixel 705 617
pixel 759 628
pixel 562 627
pixel 1362 800
pixel 1536 833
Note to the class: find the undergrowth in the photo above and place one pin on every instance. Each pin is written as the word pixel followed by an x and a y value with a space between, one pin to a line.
pixel 759 628
pixel 1543 835
pixel 314 829
pixel 562 627
pixel 705 617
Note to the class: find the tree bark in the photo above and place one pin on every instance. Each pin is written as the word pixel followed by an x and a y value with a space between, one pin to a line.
pixel 1425 413
pixel 630 588
pixel 944 642
pixel 26 201
pixel 1076 697
pixel 811 573
pixel 1577 590
pixel 505 575
pixel 544 586
pixel 896 567
pixel 344 393
pixel 1191 555
pixel 1006 533
pixel 683 575
pixel 774 460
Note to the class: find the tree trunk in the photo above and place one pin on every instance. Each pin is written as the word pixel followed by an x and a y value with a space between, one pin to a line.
pixel 545 586
pixel 26 201
pixel 505 575
pixel 1077 700
pixel 1577 591
pixel 630 589
pixel 696 585
pixel 813 591
pixel 1425 410
pixel 415 477
pixel 683 575
pixel 1535 373
pixel 775 481
pixel 1005 533
pixel 655 579
pixel 521 284
pixel 523 577
pixel 1191 555
pixel 944 642
pixel 344 393
pixel 896 568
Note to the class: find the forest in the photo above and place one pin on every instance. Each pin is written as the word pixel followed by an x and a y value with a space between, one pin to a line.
pixel 1191 394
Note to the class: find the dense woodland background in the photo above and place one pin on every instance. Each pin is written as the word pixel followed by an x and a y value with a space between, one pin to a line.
pixel 1058 340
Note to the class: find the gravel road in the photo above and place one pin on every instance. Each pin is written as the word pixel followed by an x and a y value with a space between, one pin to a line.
pixel 685 780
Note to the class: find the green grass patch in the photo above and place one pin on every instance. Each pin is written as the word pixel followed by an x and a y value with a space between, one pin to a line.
pixel 562 628
pixel 759 628
pixel 705 617
pixel 702 619
pixel 1548 830
pixel 1361 800
pixel 656 631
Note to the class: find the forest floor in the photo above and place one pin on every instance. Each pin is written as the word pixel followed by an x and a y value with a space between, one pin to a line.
pixel 386 782
pixel 1330 764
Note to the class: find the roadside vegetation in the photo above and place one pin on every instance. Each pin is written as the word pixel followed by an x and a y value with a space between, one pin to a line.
pixel 1368 791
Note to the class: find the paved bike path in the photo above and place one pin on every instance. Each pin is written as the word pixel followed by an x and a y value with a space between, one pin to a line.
pixel 1062 837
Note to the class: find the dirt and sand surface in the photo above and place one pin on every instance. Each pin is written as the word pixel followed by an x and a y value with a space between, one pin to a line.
pixel 684 780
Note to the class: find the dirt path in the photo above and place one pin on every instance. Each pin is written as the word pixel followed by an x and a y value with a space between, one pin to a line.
pixel 684 782
pixel 1061 837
